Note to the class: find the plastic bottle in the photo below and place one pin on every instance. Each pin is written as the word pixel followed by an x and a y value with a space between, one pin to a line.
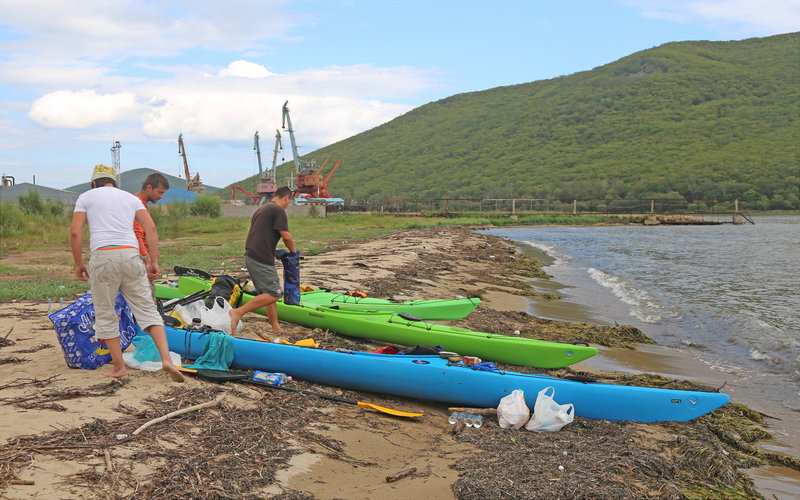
pixel 477 421
pixel 49 306
pixel 271 378
pixel 468 420
pixel 454 417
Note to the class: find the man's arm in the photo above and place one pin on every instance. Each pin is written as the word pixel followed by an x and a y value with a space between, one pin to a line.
pixel 76 243
pixel 143 218
pixel 288 241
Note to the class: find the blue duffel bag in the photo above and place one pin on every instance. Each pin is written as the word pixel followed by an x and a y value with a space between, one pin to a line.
pixel 75 331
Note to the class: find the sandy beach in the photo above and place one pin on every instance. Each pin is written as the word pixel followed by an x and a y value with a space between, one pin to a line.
pixel 67 433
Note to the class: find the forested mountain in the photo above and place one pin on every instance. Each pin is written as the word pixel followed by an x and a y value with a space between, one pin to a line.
pixel 687 119
pixel 131 181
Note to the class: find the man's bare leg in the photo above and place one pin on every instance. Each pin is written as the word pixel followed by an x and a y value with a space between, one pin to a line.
pixel 118 368
pixel 159 337
pixel 272 315
pixel 261 300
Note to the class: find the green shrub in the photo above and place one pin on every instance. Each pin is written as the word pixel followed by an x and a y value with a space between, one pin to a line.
pixel 207 205
pixel 12 219
pixel 31 203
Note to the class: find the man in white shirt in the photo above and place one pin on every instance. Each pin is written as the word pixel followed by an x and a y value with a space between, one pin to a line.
pixel 115 264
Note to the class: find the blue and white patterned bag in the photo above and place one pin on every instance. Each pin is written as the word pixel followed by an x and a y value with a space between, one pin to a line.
pixel 75 331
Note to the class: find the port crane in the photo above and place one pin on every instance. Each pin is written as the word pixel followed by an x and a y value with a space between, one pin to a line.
pixel 266 187
pixel 193 184
pixel 308 181
pixel 307 176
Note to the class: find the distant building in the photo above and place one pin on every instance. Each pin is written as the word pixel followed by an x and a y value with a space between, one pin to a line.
pixel 11 193
pixel 176 194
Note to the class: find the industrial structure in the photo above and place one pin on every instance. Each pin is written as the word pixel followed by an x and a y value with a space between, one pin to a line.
pixel 115 162
pixel 266 186
pixel 308 184
pixel 193 184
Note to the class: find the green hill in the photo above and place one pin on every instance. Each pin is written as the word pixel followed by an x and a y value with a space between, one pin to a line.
pixel 688 119
pixel 131 181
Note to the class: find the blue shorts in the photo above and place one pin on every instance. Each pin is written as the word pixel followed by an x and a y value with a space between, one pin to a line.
pixel 264 277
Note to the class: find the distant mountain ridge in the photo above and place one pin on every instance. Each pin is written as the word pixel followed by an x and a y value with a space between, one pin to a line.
pixel 685 119
pixel 131 181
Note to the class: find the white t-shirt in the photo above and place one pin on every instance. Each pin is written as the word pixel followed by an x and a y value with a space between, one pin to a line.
pixel 110 213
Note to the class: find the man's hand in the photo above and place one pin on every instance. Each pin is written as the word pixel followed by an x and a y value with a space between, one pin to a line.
pixel 81 272
pixel 152 269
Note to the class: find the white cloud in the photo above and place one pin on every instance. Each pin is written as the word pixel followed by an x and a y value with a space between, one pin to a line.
pixel 82 109
pixel 327 104
pixel 245 69
pixel 730 17
pixel 220 108
pixel 109 28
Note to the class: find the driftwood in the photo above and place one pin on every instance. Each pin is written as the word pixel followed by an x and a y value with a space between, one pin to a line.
pixel 485 412
pixel 458 427
pixel 400 475
pixel 20 482
pixel 145 425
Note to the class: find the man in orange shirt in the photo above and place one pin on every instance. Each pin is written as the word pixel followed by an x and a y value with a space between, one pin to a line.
pixel 153 189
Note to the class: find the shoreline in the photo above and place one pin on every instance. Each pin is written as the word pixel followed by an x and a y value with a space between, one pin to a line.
pixel 671 361
pixel 323 449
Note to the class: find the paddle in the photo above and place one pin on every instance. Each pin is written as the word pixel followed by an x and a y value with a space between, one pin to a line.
pixel 241 376
pixel 170 304
pixel 188 271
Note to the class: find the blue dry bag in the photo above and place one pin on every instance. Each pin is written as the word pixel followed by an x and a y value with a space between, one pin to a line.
pixel 291 276
pixel 75 331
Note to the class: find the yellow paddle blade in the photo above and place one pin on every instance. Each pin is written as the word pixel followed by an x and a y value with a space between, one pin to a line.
pixel 184 369
pixel 388 410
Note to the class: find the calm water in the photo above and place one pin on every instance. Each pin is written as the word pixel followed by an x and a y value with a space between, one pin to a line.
pixel 728 295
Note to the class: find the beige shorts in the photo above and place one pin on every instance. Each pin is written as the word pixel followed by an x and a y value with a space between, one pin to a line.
pixel 120 270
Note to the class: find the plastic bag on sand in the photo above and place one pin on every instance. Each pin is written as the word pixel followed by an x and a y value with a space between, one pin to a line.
pixel 148 366
pixel 548 415
pixel 512 410
pixel 216 317
pixel 146 349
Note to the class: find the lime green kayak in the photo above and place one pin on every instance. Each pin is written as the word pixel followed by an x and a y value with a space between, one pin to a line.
pixel 405 329
pixel 442 310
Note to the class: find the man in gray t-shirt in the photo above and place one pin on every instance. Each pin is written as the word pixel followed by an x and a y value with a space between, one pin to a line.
pixel 268 226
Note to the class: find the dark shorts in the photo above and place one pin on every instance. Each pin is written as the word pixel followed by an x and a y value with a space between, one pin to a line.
pixel 264 277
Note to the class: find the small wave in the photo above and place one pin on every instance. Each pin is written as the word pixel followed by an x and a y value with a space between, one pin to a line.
pixel 757 355
pixel 643 306
pixel 549 250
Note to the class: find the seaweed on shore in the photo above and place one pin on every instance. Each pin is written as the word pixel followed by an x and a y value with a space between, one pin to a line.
pixel 507 323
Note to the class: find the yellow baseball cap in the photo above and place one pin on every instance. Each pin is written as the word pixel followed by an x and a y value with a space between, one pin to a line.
pixel 103 171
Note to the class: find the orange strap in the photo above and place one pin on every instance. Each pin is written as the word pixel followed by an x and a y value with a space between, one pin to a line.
pixel 115 247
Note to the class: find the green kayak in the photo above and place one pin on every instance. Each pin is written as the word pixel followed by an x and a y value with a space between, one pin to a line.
pixel 442 310
pixel 405 329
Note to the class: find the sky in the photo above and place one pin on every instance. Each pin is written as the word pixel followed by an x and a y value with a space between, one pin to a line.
pixel 78 75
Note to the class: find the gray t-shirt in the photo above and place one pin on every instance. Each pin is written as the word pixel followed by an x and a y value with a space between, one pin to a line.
pixel 265 227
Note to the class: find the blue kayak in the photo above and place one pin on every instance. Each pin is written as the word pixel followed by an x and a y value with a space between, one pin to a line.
pixel 433 378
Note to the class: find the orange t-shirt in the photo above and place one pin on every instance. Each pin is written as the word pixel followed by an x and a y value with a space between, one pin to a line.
pixel 139 231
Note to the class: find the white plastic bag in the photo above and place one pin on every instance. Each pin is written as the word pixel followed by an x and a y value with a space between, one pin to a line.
pixel 549 416
pixel 148 366
pixel 217 317
pixel 512 410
